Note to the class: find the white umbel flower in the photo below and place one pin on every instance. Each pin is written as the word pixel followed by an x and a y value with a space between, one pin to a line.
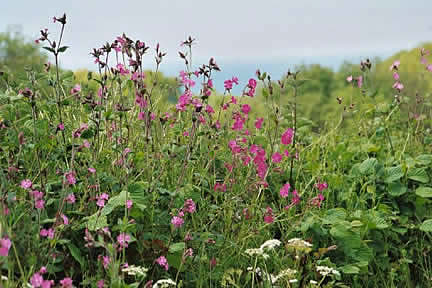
pixel 297 242
pixel 324 271
pixel 256 252
pixel 135 270
pixel 162 283
pixel 270 244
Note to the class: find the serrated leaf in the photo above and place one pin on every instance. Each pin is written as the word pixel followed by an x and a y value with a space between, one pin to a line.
pixel 426 226
pixel 419 175
pixel 425 192
pixel 334 215
pixel 394 173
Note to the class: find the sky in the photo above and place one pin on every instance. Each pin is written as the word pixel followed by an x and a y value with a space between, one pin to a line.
pixel 269 34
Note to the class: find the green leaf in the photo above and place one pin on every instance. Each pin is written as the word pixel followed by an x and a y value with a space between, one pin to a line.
pixel 95 222
pixel 76 254
pixel 63 49
pixel 349 269
pixel 368 166
pixel 394 173
pixel 426 226
pixel 425 192
pixel 334 216
pixel 138 194
pixel 49 49
pixel 424 159
pixel 396 189
pixel 418 174
pixel 113 203
pixel 176 247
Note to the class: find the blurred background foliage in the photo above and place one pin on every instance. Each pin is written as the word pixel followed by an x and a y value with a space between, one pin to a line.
pixel 317 98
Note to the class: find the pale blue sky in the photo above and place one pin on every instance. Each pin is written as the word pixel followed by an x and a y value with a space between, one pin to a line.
pixel 233 31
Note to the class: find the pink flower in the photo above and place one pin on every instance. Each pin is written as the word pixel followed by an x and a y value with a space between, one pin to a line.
pixel 395 65
pixel 76 89
pixel 284 191
pixel 177 221
pixel 36 280
pixel 258 123
pixel 286 137
pixel 70 198
pixel 65 219
pixel 162 261
pixel 189 206
pixel 220 186
pixel 129 204
pixel 423 60
pixel 246 108
pixel 60 126
pixel 359 81
pixel 228 84
pixel 91 170
pixel 252 83
pixel 321 186
pixel 349 79
pixel 70 177
pixel 188 253
pixel 5 245
pixel 100 283
pixel 268 216
pixel 429 67
pixel 39 204
pixel 210 83
pixel 395 76
pixel 66 283
pixel 123 240
pixel 209 109
pixel 398 86
pixel 235 80
pixel 26 184
pixel 106 260
pixel 276 157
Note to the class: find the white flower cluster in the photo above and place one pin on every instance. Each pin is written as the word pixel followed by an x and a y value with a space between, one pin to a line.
pixel 297 242
pixel 135 270
pixel 324 270
pixel 285 273
pixel 162 283
pixel 268 245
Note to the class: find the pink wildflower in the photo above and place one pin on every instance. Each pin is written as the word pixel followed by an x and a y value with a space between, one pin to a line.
pixel 65 219
pixel 39 204
pixel 259 122
pixel 36 280
pixel 228 84
pixel 66 283
pixel 76 89
pixel 162 261
pixel 26 184
pixel 60 126
pixel 349 79
pixel 5 245
pixel 246 108
pixel 177 221
pixel 268 216
pixel 252 83
pixel 286 137
pixel 284 191
pixel 395 65
pixel 100 283
pixel 276 157
pixel 395 76
pixel 70 198
pixel 91 170
pixel 129 204
pixel 123 240
pixel 189 206
pixel 70 177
